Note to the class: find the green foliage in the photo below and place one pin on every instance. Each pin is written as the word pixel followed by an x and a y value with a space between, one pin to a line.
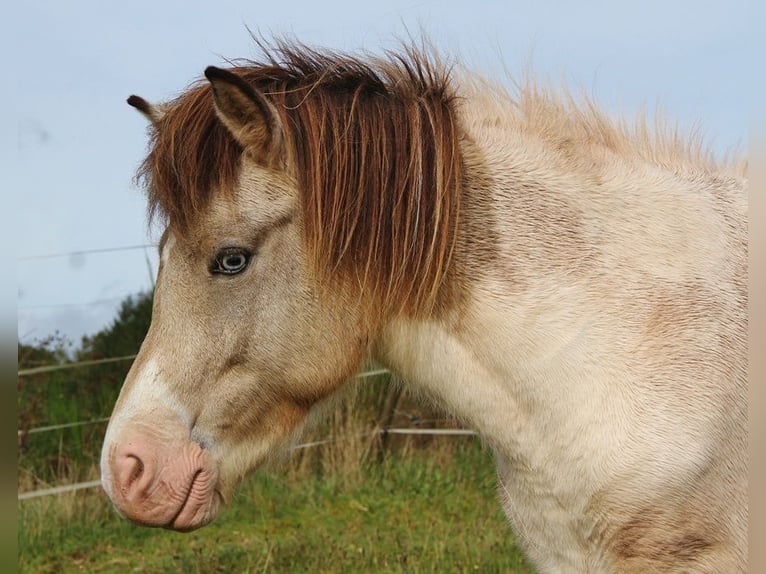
pixel 125 334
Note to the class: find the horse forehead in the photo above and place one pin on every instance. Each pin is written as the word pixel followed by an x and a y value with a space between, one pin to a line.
pixel 269 187
pixel 260 198
pixel 258 201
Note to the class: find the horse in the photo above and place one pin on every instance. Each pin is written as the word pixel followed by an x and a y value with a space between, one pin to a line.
pixel 572 286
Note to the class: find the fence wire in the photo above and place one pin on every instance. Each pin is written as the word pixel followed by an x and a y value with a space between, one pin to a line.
pixel 47 428
pixel 61 426
pixel 62 366
pixel 85 252
pixel 56 490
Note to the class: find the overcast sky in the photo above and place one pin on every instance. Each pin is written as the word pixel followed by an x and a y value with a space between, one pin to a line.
pixel 78 143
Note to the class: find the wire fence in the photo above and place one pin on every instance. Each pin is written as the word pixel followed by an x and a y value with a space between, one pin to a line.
pixel 48 368
pixel 94 303
pixel 85 252
pixel 51 368
pixel 56 490
pixel 92 484
pixel 49 428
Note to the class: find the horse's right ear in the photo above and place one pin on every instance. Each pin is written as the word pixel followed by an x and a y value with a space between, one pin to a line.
pixel 247 114
pixel 151 112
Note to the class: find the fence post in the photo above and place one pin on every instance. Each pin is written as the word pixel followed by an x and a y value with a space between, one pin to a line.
pixel 387 412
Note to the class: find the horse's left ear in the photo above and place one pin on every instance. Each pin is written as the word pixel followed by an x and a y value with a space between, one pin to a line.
pixel 152 112
pixel 247 114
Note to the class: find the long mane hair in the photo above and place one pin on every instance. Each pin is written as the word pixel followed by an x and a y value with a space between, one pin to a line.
pixel 373 146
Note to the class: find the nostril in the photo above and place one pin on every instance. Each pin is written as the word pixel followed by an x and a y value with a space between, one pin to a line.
pixel 130 469
pixel 136 466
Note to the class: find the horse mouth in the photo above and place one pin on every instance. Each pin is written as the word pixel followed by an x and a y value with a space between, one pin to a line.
pixel 201 504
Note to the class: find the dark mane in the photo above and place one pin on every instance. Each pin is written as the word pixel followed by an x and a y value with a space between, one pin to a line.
pixel 373 145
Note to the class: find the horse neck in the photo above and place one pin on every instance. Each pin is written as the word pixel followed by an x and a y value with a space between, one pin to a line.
pixel 514 352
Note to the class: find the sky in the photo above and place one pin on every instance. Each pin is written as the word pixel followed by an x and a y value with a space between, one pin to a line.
pixel 78 143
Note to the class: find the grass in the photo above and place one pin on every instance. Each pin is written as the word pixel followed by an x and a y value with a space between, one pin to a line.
pixel 420 510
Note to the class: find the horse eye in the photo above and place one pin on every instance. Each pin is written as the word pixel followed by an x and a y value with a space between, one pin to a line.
pixel 230 261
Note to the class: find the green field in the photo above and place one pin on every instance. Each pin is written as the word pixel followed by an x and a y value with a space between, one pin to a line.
pixel 422 511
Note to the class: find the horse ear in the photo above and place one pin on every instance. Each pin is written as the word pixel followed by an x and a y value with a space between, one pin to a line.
pixel 247 114
pixel 151 112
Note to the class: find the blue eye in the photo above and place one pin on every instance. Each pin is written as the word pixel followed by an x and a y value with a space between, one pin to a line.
pixel 230 261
